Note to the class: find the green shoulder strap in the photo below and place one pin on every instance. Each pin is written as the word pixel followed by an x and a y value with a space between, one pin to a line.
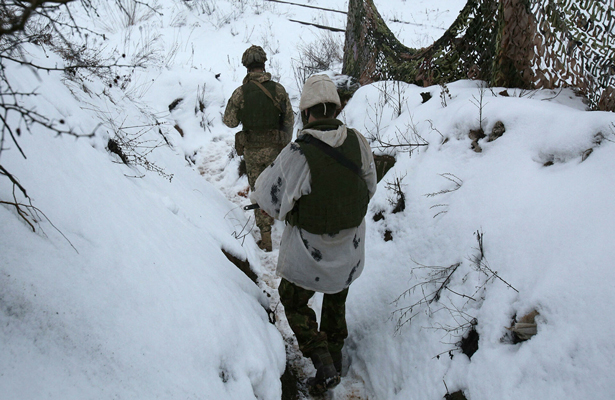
pixel 261 87
pixel 331 152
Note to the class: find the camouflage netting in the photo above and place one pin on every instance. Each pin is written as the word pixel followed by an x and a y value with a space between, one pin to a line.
pixel 513 43
pixel 575 46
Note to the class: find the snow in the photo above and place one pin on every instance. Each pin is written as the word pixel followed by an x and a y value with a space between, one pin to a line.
pixel 123 290
pixel 545 232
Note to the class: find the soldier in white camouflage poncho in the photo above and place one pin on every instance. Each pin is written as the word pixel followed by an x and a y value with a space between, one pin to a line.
pixel 320 185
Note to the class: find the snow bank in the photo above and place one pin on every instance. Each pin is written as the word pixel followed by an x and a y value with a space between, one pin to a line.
pixel 123 291
pixel 542 205
pixel 131 296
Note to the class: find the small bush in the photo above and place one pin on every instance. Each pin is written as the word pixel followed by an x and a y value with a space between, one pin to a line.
pixel 318 56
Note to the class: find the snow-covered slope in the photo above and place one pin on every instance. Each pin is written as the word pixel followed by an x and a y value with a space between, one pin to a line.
pixel 124 292
pixel 131 296
pixel 546 232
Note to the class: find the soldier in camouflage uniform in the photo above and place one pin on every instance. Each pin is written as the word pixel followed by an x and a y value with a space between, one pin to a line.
pixel 320 185
pixel 263 108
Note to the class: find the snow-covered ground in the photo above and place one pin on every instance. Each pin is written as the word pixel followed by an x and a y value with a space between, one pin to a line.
pixel 123 290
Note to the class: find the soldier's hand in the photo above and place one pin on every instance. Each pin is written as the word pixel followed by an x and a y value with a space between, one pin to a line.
pixel 264 213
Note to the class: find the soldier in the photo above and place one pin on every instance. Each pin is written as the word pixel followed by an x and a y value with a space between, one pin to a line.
pixel 263 108
pixel 321 185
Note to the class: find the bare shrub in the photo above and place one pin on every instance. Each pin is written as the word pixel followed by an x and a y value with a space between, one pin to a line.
pixel 398 198
pixel 318 56
pixel 200 108
pixel 437 292
pixel 457 182
pixel 121 14
pixel 480 103
pixel 444 94
pixel 132 146
pixel 406 139
pixel 207 7
pixel 394 94
pixel 50 26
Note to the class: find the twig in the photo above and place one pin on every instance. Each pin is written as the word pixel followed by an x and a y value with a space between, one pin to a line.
pixel 307 6
pixel 438 276
pixel 436 296
pixel 54 227
pixel 460 294
pixel 495 275
pixel 8 128
pixel 448 176
pixel 434 129
pixel 241 235
pixel 409 140
pixel 399 21
pixel 482 264
pixel 384 144
pixel 21 213
pixel 24 216
pixel 329 28
pixel 555 96
pixel 481 248
pixel 69 67
pixel 27 12
pixel 6 173
pixel 441 212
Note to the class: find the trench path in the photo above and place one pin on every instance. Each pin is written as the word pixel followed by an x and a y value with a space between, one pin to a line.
pixel 214 163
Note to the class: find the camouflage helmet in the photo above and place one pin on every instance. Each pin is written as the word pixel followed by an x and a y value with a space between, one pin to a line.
pixel 254 55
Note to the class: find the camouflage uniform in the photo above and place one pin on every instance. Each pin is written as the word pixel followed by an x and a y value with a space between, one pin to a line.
pixel 261 147
pixel 302 319
pixel 307 185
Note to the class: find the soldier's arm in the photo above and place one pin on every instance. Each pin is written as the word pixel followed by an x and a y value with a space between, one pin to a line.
pixel 368 170
pixel 282 183
pixel 288 119
pixel 233 108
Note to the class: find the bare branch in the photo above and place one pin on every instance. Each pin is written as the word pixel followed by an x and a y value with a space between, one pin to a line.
pixel 6 173
pixel 24 215
pixel 308 6
pixel 69 67
pixel 436 296
pixel 19 22
pixel 482 265
pixel 6 126
pixel 448 176
pixel 329 28
pixel 407 140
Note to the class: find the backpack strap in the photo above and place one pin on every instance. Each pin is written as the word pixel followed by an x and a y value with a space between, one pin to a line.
pixel 331 152
pixel 268 93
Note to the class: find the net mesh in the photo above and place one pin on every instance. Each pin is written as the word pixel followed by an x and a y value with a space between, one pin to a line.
pixel 513 43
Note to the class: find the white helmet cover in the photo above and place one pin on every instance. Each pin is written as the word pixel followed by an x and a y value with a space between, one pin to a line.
pixel 318 89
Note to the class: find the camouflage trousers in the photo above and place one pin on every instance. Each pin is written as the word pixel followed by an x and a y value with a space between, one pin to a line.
pixel 257 159
pixel 302 319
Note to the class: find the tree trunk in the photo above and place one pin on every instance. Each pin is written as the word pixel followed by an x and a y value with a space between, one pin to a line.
pixel 515 45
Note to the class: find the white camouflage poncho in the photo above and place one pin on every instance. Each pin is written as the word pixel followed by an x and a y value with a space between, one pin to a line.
pixel 324 263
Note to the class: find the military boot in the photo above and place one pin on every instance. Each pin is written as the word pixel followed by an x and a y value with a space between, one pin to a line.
pixel 337 361
pixel 326 375
pixel 265 242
